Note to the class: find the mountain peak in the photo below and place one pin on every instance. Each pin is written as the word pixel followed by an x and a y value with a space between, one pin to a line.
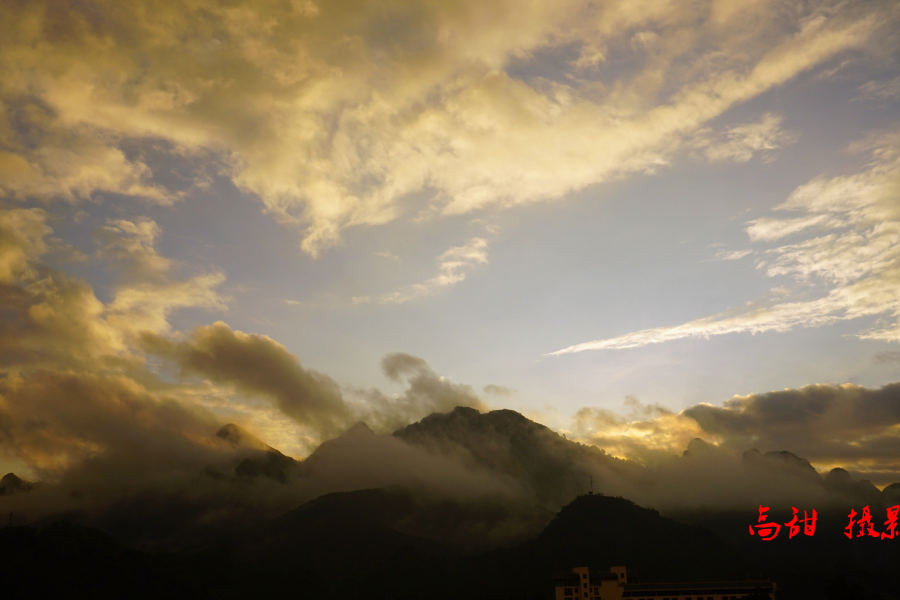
pixel 239 437
pixel 359 429
pixel 697 447
pixel 782 461
pixel 507 442
pixel 12 483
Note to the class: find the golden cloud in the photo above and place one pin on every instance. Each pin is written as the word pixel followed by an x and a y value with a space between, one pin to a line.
pixel 332 113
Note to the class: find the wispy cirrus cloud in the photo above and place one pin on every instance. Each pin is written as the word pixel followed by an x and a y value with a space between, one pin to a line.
pixel 881 90
pixel 857 262
pixel 733 254
pixel 742 142
pixel 453 265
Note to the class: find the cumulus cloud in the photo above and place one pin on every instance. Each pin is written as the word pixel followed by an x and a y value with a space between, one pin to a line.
pixel 452 267
pixel 847 426
pixel 647 433
pixel 79 410
pixel 426 392
pixel 48 318
pixel 69 166
pixel 115 441
pixel 84 410
pixel 257 364
pixel 55 329
pixel 57 420
pixel 334 115
pixel 65 356
pixel 22 234
pixel 150 288
pixel 850 259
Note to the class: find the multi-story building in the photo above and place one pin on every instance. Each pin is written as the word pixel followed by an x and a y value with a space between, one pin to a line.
pixel 580 584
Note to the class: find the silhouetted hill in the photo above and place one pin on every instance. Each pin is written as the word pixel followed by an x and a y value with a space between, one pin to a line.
pixel 317 549
pixel 809 567
pixel 348 546
pixel 465 526
pixel 602 530
pixel 890 496
pixel 353 530
pixel 71 561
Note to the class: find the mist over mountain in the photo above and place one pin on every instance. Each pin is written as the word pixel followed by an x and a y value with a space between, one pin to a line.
pixel 467 495
pixel 482 461
pixel 552 469
pixel 13 484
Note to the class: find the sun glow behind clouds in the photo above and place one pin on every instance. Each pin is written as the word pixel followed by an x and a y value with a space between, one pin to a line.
pixel 339 114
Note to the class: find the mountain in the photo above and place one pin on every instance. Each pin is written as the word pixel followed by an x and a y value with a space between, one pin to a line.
pixel 13 484
pixel 553 468
pixel 64 560
pixel 238 437
pixel 323 549
pixel 603 531
pixel 349 546
pixel 465 526
pixel 890 496
pixel 385 540
pixel 262 460
pixel 841 482
pixel 781 461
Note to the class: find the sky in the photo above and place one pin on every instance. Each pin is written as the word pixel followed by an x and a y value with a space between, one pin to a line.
pixel 620 219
